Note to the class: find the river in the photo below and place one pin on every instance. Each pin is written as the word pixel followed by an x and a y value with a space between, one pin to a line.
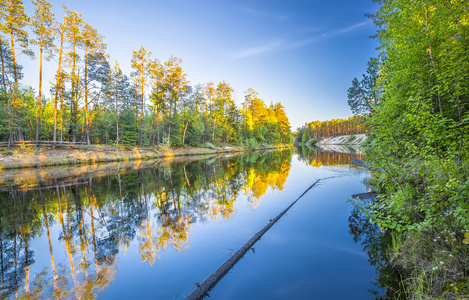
pixel 156 229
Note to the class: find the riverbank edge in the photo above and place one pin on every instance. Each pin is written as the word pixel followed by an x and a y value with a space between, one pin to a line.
pixel 345 140
pixel 35 157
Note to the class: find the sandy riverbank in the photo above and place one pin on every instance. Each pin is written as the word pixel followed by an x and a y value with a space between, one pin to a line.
pixel 33 157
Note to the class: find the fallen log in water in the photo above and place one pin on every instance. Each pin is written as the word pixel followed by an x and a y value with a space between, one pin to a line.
pixel 362 163
pixel 204 288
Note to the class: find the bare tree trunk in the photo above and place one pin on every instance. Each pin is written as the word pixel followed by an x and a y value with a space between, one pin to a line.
pixel 150 140
pixel 38 115
pixel 157 128
pixel 87 125
pixel 213 134
pixel 184 134
pixel 117 116
pixel 10 136
pixel 57 84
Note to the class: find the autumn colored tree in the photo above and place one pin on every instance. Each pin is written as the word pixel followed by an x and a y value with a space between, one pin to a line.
pixel 13 23
pixel 177 84
pixel 73 33
pixel 85 90
pixel 141 65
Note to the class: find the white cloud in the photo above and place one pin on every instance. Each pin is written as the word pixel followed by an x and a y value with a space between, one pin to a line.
pixel 279 44
pixel 332 33
pixel 274 45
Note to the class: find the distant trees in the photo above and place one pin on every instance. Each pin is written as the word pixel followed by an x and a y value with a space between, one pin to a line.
pixel 335 127
pixel 94 103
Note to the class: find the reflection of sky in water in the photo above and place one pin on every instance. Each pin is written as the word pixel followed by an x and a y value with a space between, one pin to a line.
pixel 308 254
pixel 176 223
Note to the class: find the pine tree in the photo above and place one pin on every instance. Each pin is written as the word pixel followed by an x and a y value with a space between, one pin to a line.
pixel 93 48
pixel 42 22
pixel 141 65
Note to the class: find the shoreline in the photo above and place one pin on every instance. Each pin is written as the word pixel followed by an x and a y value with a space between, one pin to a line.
pixel 37 157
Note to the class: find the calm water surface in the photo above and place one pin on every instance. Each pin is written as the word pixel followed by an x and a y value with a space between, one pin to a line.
pixel 152 231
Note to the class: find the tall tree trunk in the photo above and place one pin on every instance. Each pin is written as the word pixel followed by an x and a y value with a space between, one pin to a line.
pixel 184 134
pixel 140 137
pixel 73 104
pixel 57 84
pixel 213 134
pixel 39 104
pixel 136 108
pixel 61 113
pixel 117 114
pixel 13 49
pixel 10 136
pixel 13 56
pixel 150 140
pixel 157 128
pixel 169 125
pixel 87 125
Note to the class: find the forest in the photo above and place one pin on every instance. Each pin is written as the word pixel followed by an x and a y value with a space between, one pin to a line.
pixel 335 127
pixel 416 98
pixel 93 102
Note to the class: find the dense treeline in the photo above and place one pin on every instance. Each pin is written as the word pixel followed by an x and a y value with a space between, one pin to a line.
pixel 420 148
pixel 317 129
pixel 92 101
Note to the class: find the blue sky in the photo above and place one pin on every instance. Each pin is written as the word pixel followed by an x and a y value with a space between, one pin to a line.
pixel 303 53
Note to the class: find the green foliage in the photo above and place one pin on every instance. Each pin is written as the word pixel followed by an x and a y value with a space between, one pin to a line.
pixel 420 132
pixel 195 132
pixel 364 95
pixel 176 130
pixel 99 104
pixel 209 145
pixel 251 142
pixel 304 138
pixel 128 126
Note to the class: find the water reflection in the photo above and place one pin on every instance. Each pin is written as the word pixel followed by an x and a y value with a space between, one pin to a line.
pixel 375 243
pixel 86 221
pixel 318 157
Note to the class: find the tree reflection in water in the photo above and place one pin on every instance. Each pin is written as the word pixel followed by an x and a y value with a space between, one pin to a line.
pixel 317 157
pixel 99 216
pixel 375 243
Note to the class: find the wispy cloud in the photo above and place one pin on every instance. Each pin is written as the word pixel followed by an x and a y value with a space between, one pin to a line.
pixel 282 45
pixel 350 28
pixel 263 13
pixel 331 33
pixel 274 45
